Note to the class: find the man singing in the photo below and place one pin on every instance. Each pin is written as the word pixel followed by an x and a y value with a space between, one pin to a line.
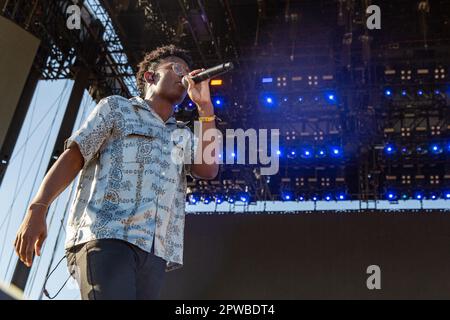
pixel 126 224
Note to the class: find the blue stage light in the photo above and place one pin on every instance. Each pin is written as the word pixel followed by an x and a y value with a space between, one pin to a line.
pixel 193 198
pixel 447 195
pixel 391 195
pixel 330 97
pixel 404 93
pixel 421 149
pixel 405 151
pixel 292 154
pixel 244 196
pixel 307 153
pixel 328 197
pixel 268 100
pixel 388 92
pixel 267 80
pixel 287 196
pixel 418 195
pixel 336 152
pixel 389 149
pixel 436 148
pixel 218 101
pixel 420 92
pixel 321 153
pixel 433 195
pixel 341 196
pixel 206 199
pixel 189 106
pixel 219 198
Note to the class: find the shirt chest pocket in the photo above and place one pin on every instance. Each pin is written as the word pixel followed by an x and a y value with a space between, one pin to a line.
pixel 139 146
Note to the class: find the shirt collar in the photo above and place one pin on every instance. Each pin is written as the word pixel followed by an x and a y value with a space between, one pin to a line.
pixel 144 104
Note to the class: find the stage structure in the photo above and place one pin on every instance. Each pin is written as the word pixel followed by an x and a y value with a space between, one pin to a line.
pixel 363 114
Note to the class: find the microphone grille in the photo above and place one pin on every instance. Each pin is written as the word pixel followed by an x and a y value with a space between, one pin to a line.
pixel 185 82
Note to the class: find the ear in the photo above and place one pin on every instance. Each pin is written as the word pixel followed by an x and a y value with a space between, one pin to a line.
pixel 149 77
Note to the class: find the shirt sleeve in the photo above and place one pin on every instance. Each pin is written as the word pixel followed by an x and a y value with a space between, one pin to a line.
pixel 94 131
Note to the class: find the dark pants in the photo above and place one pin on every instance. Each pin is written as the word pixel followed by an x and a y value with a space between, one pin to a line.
pixel 112 269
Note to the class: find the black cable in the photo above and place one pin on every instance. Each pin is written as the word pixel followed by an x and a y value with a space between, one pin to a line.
pixel 71 194
pixel 61 227
pixel 44 289
pixel 37 173
pixel 46 113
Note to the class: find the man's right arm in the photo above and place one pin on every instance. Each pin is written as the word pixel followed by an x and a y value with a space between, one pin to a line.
pixel 80 148
pixel 33 229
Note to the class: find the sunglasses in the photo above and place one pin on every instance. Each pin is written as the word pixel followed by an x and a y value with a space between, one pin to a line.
pixel 179 69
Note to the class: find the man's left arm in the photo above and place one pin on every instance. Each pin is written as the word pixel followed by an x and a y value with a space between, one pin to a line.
pixel 200 168
pixel 201 96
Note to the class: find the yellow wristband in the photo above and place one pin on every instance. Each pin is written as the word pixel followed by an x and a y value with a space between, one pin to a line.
pixel 207 119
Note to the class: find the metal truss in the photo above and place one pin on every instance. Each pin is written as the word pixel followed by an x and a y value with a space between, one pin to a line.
pixel 96 45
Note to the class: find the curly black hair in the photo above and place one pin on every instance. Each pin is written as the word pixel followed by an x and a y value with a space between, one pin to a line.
pixel 153 58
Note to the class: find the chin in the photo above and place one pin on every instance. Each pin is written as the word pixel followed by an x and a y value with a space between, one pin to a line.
pixel 179 98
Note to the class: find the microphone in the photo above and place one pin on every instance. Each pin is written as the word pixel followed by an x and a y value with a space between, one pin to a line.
pixel 209 73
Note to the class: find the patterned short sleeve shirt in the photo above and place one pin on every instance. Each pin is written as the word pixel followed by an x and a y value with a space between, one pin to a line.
pixel 133 183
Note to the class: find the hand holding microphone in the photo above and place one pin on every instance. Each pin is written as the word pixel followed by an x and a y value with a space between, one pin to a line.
pixel 209 73
pixel 198 91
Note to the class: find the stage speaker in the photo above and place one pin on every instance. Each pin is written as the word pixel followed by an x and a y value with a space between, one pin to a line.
pixel 10 292
pixel 17 51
